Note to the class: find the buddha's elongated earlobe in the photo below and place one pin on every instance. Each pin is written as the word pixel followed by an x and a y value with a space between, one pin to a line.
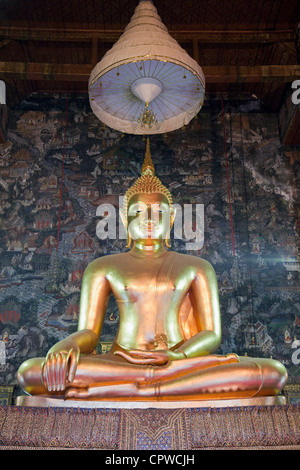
pixel 167 242
pixel 129 240
pixel 125 223
pixel 167 237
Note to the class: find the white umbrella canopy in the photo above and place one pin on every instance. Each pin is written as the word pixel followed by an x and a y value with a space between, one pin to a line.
pixel 146 83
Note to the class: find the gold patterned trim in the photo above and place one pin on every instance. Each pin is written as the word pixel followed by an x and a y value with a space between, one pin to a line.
pixel 292 393
pixel 6 393
pixel 159 58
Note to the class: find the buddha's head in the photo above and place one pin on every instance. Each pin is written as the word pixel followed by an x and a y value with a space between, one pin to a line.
pixel 147 211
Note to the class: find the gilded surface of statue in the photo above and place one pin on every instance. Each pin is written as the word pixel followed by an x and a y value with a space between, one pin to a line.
pixel 169 328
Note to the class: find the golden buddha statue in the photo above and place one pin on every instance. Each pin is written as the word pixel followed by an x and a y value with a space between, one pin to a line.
pixel 169 325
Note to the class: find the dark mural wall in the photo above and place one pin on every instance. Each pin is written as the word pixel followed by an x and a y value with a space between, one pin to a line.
pixel 60 164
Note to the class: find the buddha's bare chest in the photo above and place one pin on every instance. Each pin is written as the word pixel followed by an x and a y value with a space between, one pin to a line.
pixel 150 280
pixel 149 295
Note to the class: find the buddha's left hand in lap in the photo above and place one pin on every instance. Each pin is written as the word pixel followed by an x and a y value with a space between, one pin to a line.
pixel 158 357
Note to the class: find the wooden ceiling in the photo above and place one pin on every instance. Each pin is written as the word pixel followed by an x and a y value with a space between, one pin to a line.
pixel 249 47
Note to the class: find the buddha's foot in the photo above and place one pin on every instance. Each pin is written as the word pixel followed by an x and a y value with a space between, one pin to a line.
pixel 102 391
pixel 77 393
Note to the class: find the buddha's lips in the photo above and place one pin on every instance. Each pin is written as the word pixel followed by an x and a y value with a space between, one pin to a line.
pixel 149 225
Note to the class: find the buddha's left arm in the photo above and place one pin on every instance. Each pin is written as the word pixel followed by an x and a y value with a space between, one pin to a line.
pixel 204 296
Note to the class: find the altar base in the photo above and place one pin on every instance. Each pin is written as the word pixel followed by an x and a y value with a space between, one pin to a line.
pixel 163 426
pixel 130 404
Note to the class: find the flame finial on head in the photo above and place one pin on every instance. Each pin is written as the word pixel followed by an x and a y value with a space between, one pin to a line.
pixel 147 183
pixel 148 164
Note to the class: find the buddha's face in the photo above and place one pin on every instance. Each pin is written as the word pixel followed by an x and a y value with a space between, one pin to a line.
pixel 148 216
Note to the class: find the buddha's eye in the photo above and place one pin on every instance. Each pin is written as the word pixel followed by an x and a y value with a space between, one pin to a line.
pixel 133 211
pixel 160 210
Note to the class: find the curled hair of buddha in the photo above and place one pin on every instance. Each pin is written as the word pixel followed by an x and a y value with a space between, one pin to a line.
pixel 147 183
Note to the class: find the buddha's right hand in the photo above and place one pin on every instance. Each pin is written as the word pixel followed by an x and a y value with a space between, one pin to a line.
pixel 60 365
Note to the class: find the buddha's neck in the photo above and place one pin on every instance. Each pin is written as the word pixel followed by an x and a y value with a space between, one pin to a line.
pixel 149 250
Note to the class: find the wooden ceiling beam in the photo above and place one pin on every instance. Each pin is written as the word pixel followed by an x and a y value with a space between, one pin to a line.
pixel 210 37
pixel 251 74
pixel 39 71
pixel 213 74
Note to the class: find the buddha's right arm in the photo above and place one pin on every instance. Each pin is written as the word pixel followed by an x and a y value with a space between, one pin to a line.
pixel 83 341
pixel 63 357
pixel 95 292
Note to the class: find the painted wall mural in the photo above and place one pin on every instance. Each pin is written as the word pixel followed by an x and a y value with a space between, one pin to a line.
pixel 61 163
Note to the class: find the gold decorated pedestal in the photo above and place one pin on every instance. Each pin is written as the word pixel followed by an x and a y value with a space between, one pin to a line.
pixel 127 404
